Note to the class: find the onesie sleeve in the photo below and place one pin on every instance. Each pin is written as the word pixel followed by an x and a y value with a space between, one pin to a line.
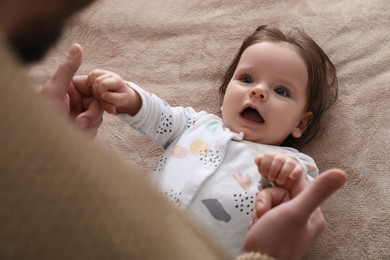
pixel 158 119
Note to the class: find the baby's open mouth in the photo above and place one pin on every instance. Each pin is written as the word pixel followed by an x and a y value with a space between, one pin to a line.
pixel 252 114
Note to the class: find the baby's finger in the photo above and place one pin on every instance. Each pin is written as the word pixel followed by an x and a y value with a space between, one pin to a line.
pixel 117 99
pixel 92 83
pixel 296 173
pixel 276 166
pixel 93 75
pixel 285 172
pixel 101 85
pixel 258 160
pixel 265 164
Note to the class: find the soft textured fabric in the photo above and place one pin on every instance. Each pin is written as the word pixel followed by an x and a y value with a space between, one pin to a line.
pixel 62 197
pixel 181 49
pixel 206 169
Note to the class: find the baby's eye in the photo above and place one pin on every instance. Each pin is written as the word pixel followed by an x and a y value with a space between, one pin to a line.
pixel 281 91
pixel 247 79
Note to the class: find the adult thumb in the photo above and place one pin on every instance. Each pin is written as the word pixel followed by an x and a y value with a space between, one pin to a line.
pixel 59 83
pixel 322 187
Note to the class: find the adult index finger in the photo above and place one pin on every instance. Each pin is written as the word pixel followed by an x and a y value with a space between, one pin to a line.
pixel 322 187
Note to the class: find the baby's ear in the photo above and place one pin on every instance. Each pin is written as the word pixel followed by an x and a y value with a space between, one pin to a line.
pixel 303 124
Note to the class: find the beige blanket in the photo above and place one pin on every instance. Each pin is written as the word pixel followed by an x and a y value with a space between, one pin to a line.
pixel 180 50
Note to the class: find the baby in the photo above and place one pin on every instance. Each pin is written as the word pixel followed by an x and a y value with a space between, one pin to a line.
pixel 273 97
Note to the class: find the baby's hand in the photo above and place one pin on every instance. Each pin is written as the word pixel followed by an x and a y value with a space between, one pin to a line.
pixel 110 89
pixel 284 171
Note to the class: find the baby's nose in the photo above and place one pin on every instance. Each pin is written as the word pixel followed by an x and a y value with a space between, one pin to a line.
pixel 259 92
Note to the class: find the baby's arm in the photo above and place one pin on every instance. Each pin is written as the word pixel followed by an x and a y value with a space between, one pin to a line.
pixel 283 170
pixel 113 93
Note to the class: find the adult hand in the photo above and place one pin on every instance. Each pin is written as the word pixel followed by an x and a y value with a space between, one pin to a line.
pixel 288 229
pixel 72 95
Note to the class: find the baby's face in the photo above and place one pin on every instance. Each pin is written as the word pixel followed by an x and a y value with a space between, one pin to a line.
pixel 267 95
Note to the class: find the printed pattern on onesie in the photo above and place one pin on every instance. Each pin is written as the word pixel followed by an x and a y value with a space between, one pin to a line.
pixel 206 169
